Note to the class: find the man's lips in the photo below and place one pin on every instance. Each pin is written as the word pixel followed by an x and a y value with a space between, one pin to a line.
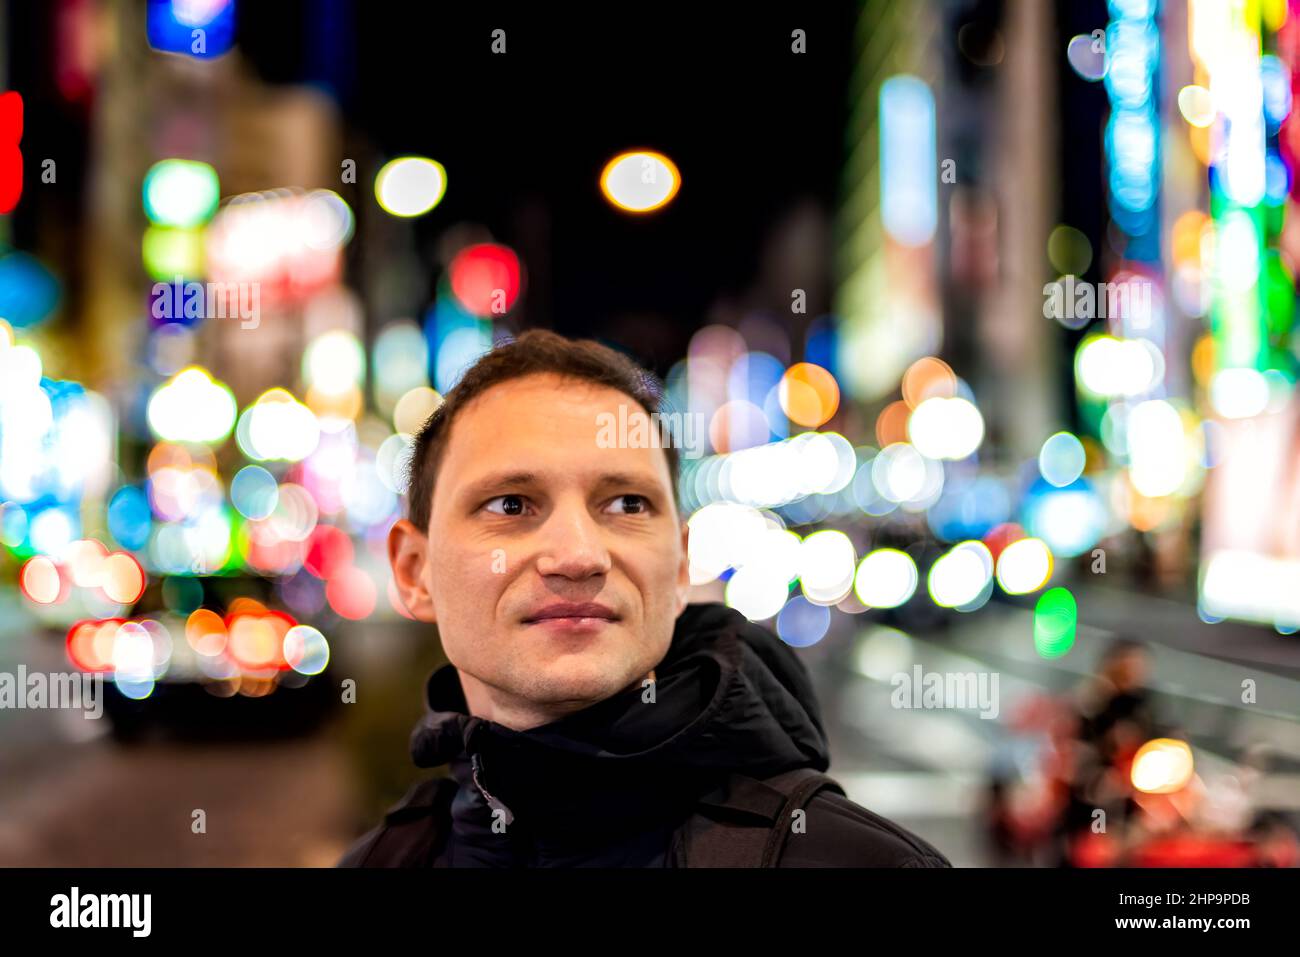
pixel 571 611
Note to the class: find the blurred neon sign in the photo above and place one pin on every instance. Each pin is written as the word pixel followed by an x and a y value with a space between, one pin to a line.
pixel 11 157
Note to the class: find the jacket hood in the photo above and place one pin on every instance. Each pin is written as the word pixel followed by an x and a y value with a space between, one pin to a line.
pixel 729 696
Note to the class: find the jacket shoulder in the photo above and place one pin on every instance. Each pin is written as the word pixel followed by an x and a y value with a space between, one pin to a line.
pixel 840 833
pixel 409 835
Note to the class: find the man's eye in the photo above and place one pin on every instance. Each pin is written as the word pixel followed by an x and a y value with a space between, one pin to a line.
pixel 506 505
pixel 630 505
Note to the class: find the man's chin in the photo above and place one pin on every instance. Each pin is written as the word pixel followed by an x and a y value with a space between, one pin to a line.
pixel 582 678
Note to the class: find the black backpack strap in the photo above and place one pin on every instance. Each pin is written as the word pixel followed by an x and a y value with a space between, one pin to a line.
pixel 746 822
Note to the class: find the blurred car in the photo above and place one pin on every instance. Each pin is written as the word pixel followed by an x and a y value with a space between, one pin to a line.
pixel 212 657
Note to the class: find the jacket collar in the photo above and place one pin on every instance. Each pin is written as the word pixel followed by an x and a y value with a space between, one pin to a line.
pixel 728 697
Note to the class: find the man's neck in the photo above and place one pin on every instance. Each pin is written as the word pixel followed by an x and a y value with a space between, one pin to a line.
pixel 510 711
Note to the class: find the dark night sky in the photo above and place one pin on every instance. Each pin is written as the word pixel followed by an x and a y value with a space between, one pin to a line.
pixel 752 126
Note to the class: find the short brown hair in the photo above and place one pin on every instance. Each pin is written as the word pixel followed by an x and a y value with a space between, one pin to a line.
pixel 536 352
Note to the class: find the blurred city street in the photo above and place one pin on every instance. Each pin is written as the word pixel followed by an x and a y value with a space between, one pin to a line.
pixel 70 796
pixel 278 804
pixel 973 324
pixel 932 774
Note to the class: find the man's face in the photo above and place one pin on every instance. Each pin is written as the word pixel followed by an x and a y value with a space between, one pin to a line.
pixel 554 568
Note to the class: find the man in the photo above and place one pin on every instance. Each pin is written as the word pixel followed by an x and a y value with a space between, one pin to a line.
pixel 1114 716
pixel 589 716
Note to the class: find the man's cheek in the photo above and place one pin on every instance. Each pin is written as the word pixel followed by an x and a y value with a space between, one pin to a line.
pixel 473 576
pixel 668 559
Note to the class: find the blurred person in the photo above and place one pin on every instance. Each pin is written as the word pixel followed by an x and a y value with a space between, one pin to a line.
pixel 590 716
pixel 1027 795
pixel 1115 717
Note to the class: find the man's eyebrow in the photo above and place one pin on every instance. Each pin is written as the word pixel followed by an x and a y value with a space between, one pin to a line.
pixel 496 481
pixel 500 481
pixel 611 479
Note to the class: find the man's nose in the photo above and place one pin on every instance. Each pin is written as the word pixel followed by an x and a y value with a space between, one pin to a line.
pixel 572 545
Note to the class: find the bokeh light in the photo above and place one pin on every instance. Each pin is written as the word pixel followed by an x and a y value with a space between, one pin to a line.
pixel 1024 566
pixel 640 181
pixel 410 185
pixel 809 394
pixel 1162 766
pixel 181 193
pixel 1055 619
pixel 192 407
pixel 886 578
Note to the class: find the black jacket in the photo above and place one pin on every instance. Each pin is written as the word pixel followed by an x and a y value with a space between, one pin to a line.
pixel 614 784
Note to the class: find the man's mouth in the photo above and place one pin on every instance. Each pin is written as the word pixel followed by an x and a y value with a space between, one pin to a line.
pixel 564 612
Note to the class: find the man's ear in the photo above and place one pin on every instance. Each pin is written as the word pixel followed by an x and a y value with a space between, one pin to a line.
pixel 684 571
pixel 408 550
